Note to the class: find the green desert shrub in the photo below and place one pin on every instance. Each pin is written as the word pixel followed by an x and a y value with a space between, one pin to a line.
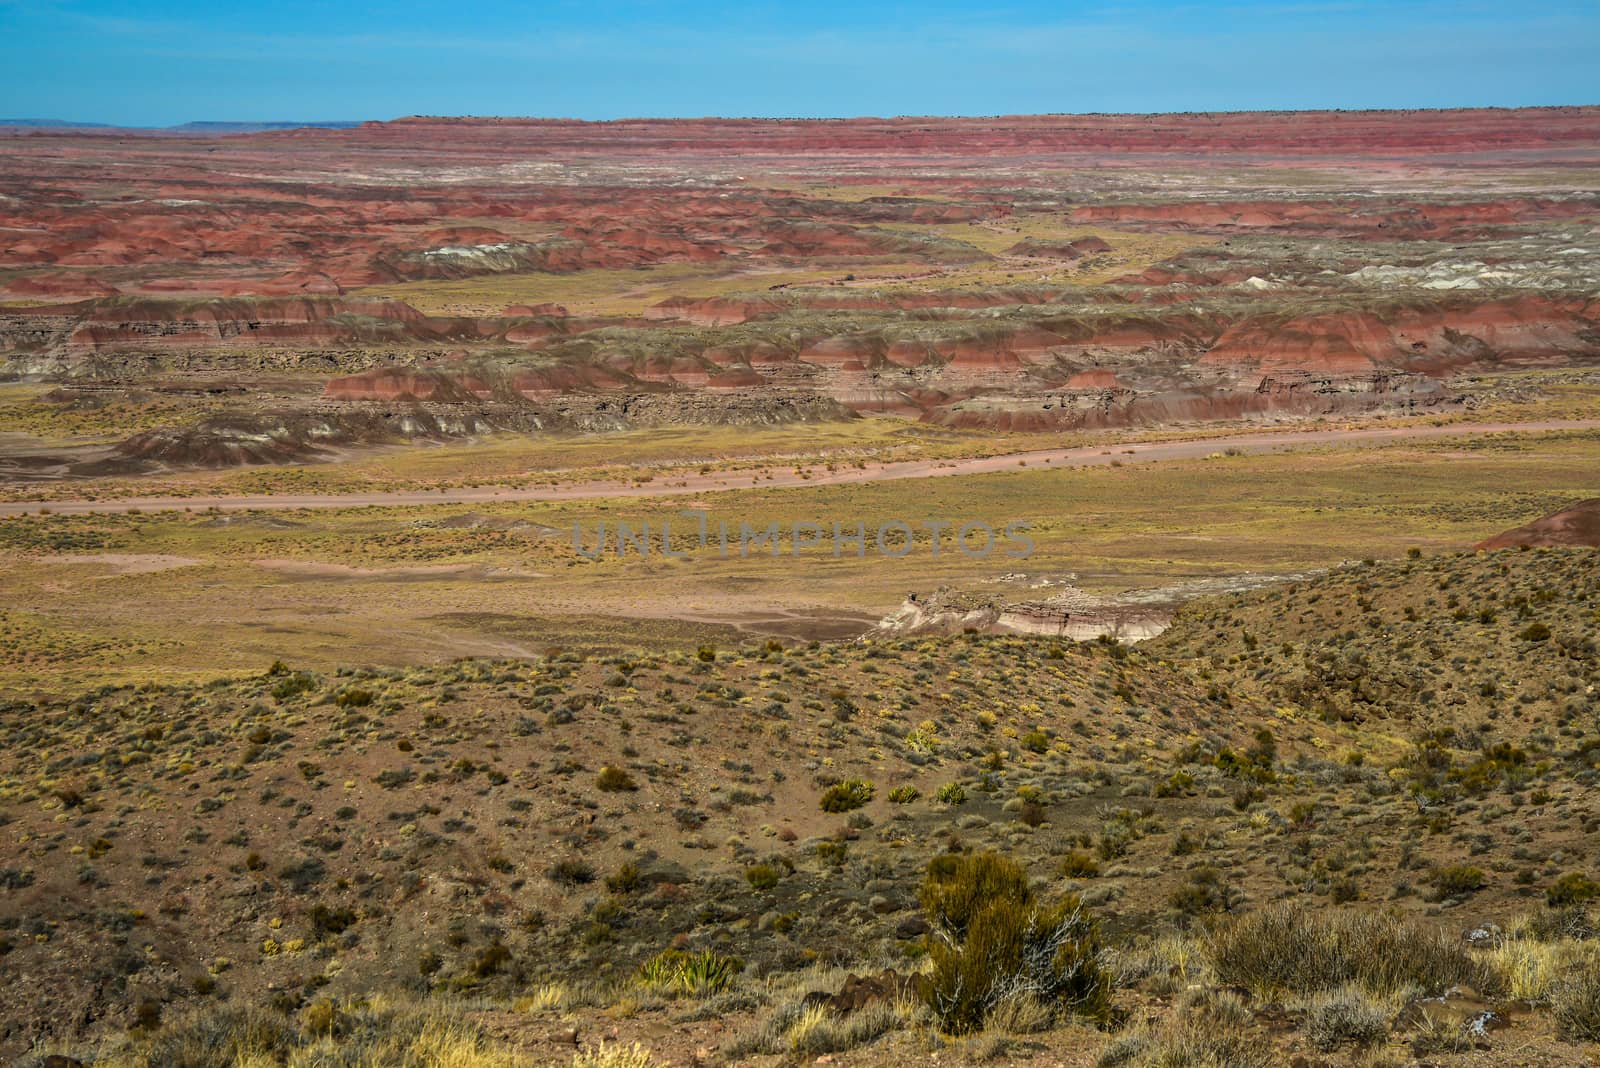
pixel 761 876
pixel 904 795
pixel 957 885
pixel 294 685
pixel 1458 879
pixel 994 943
pixel 1573 888
pixel 846 796
pixel 625 880
pixel 951 793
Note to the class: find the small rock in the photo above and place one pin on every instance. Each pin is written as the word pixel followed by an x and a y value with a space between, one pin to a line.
pixel 911 927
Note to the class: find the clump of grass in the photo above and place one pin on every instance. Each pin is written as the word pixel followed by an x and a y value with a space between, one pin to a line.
pixel 1576 1004
pixel 545 998
pixel 818 1031
pixel 1207 1027
pixel 809 1030
pixel 615 1055
pixel 328 1034
pixel 1284 949
pixel 1345 1017
pixel 689 974
pixel 1532 969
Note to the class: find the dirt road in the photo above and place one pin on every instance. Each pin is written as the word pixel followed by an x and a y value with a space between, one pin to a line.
pixel 695 483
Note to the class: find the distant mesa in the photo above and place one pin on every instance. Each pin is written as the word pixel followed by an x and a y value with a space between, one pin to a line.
pixel 201 128
pixel 1576 525
pixel 1058 250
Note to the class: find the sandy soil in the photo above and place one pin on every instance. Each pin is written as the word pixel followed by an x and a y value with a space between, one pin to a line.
pixel 130 563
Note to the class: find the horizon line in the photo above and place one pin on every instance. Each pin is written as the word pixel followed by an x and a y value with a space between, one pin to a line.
pixel 91 124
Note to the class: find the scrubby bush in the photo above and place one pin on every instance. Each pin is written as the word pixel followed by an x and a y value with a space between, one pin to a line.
pixel 904 795
pixel 330 1035
pixel 1345 1017
pixel 1205 891
pixel 951 793
pixel 491 959
pixel 1573 888
pixel 225 1036
pixel 1576 1004
pixel 995 943
pixel 761 876
pixel 613 779
pixel 625 880
pixel 1458 879
pixel 1284 949
pixel 1213 1028
pixel 846 796
pixel 1079 865
pixel 571 873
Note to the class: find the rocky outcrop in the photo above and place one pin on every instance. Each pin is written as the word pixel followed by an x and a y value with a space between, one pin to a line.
pixel 1071 614
pixel 1577 524
pixel 1435 339
pixel 1288 394
pixel 288 436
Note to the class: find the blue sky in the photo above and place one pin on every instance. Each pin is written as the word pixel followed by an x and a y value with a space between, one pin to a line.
pixel 157 63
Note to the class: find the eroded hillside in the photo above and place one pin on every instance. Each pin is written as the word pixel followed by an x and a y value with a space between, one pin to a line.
pixel 1416 736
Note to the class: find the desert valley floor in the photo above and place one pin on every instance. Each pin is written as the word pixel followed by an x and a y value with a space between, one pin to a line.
pixel 334 732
